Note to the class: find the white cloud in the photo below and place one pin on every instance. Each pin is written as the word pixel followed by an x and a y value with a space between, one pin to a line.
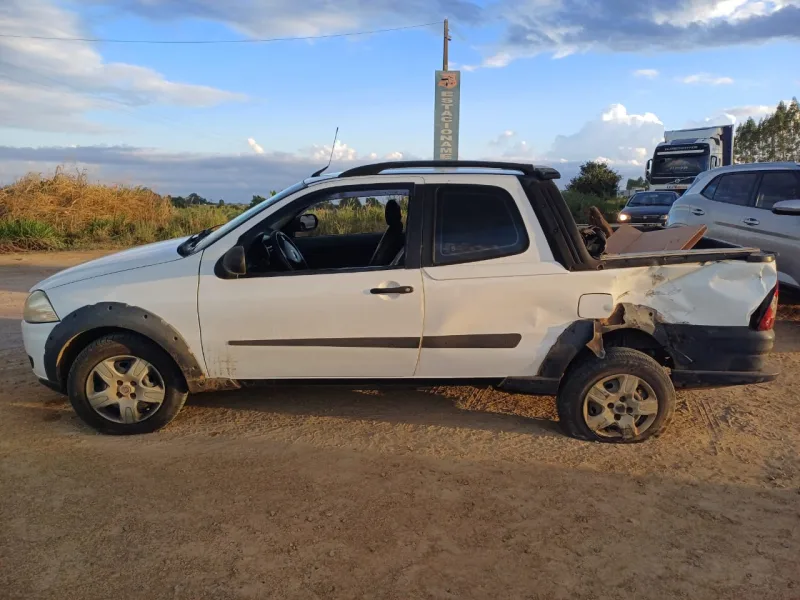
pixel 495 61
pixel 49 85
pixel 563 27
pixel 615 135
pixel 733 115
pixel 254 145
pixel 503 138
pixel 233 177
pixel 646 73
pixel 322 152
pixel 705 78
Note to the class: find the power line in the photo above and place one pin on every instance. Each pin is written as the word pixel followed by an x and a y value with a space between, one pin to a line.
pixel 241 41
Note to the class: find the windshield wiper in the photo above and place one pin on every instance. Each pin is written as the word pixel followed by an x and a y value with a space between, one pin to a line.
pixel 186 247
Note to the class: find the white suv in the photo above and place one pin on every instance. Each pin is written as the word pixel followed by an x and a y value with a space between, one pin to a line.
pixel 754 204
pixel 476 276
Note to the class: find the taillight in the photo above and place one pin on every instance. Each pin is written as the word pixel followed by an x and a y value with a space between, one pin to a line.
pixel 767 320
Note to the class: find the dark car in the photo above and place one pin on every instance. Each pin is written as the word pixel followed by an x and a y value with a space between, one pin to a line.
pixel 648 207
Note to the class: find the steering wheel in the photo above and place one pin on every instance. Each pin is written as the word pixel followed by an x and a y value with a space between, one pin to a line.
pixel 280 247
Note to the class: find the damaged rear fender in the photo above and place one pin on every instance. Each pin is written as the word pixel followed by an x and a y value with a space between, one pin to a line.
pixel 638 325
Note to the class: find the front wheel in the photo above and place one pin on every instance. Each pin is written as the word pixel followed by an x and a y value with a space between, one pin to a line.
pixel 626 397
pixel 124 384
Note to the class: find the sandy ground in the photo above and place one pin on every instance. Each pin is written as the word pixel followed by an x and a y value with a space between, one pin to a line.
pixel 445 493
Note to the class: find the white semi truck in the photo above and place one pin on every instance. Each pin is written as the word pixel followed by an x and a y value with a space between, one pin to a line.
pixel 685 153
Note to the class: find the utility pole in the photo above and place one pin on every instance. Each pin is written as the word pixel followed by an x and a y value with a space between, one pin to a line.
pixel 446 45
pixel 447 107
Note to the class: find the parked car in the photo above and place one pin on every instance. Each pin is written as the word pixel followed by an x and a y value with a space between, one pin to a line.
pixel 756 205
pixel 648 207
pixel 479 276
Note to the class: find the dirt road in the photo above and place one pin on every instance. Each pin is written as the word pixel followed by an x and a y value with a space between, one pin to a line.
pixel 446 493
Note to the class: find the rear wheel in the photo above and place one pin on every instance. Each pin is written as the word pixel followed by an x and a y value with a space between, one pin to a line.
pixel 626 397
pixel 125 384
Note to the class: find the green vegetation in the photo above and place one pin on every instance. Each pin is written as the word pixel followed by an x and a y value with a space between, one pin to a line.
pixel 596 179
pixel 639 182
pixel 66 211
pixel 776 137
pixel 579 206
pixel 596 185
pixel 349 219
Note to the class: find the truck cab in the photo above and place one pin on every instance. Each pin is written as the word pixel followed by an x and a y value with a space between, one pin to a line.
pixel 686 153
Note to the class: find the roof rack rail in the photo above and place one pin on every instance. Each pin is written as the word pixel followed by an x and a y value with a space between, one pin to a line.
pixel 543 173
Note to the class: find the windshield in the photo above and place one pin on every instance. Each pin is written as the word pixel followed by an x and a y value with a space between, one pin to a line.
pixel 680 166
pixel 653 199
pixel 246 216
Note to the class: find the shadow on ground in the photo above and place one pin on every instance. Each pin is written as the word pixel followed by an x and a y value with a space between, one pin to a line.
pixel 448 407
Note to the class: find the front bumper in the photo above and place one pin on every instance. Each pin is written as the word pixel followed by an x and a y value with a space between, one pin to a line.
pixel 34 337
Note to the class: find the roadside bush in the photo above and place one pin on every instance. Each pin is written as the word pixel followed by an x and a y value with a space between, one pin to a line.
pixel 67 211
pixel 349 219
pixel 28 234
pixel 579 206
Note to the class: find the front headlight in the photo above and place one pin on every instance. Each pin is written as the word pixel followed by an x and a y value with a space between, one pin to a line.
pixel 664 217
pixel 623 217
pixel 38 309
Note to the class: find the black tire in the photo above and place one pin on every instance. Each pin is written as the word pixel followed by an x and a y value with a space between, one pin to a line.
pixel 618 361
pixel 126 344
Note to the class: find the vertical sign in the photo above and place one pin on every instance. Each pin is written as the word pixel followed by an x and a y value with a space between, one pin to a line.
pixel 445 128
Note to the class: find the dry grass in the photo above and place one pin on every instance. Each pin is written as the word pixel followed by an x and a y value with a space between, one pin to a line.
pixel 66 210
pixel 69 202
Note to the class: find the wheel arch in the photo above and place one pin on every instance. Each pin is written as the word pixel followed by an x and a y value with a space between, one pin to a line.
pixel 629 326
pixel 89 323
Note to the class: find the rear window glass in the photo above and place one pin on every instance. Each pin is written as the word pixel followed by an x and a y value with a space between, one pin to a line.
pixel 476 223
pixel 776 187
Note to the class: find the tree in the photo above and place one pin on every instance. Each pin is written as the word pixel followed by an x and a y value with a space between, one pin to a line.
pixel 256 200
pixel 193 199
pixel 775 137
pixel 221 203
pixel 636 183
pixel 596 179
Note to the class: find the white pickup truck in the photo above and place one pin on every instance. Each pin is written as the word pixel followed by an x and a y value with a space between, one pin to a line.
pixel 480 275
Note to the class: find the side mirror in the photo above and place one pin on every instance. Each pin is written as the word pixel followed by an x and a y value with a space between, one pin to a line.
pixel 307 222
pixel 713 162
pixel 787 207
pixel 647 169
pixel 233 263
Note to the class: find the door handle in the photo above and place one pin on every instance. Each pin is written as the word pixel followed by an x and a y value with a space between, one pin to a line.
pixel 750 221
pixel 698 211
pixel 403 289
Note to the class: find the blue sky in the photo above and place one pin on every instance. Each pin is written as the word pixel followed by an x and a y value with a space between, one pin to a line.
pixel 552 81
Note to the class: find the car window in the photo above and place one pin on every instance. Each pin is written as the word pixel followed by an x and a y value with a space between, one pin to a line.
pixel 476 223
pixel 653 199
pixel 735 188
pixel 349 212
pixel 777 186
pixel 709 190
